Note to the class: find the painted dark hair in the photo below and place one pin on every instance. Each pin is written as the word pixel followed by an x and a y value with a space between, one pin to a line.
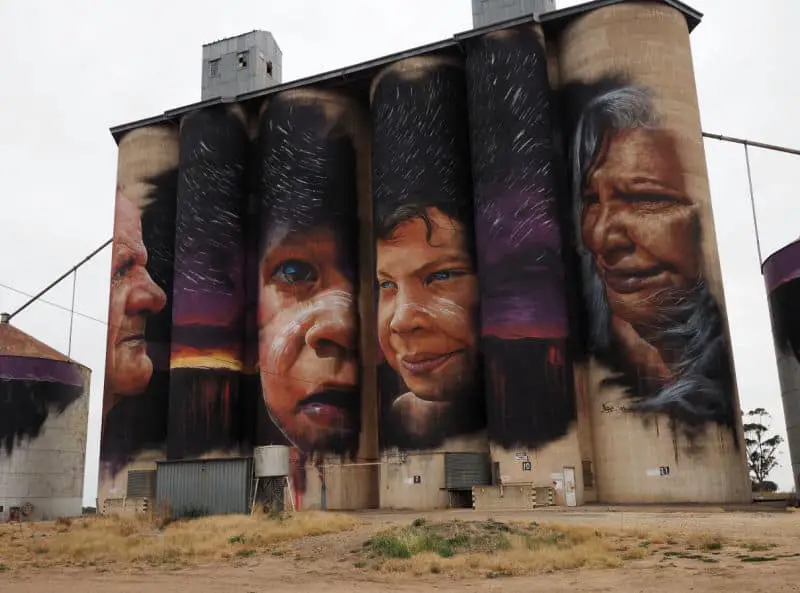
pixel 308 174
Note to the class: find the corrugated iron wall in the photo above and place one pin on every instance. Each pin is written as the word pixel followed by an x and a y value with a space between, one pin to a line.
pixel 204 486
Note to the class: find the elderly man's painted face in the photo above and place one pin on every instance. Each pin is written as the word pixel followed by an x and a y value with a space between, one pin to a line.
pixel 308 335
pixel 134 296
pixel 639 224
pixel 428 297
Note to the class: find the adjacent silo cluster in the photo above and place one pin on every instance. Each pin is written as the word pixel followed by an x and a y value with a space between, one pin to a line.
pixel 782 277
pixel 482 273
pixel 44 405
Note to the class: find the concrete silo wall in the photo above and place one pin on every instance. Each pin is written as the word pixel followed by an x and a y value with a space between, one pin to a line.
pixel 782 277
pixel 136 390
pixel 44 407
pixel 659 374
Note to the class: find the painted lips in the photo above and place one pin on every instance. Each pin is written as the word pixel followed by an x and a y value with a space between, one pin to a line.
pixel 336 408
pixel 424 363
pixel 630 280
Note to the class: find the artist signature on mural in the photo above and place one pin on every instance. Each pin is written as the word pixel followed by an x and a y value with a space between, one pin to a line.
pixel 611 407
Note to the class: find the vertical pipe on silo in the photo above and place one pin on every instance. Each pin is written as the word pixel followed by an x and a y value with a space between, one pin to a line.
pixel 665 412
pixel 136 391
pixel 208 296
pixel 517 188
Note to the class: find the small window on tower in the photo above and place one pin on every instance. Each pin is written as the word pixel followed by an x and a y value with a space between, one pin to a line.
pixel 241 60
pixel 269 67
pixel 213 67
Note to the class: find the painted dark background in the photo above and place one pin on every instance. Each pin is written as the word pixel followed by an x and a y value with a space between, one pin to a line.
pixel 208 313
pixel 529 393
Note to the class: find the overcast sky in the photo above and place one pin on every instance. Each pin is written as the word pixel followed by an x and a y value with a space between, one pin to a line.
pixel 73 69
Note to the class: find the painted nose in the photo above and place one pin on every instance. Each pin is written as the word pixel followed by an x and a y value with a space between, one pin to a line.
pixel 145 296
pixel 409 314
pixel 334 332
pixel 609 236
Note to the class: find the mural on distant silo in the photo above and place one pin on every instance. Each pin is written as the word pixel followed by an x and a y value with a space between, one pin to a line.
pixel 662 384
pixel 136 392
pixel 308 273
pixel 523 298
pixel 782 277
pixel 36 383
pixel 44 407
pixel 209 293
pixel 427 287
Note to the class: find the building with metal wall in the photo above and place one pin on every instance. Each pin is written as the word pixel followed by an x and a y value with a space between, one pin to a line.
pixel 44 406
pixel 457 284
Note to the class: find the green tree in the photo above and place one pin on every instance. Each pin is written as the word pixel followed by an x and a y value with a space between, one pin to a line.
pixel 761 448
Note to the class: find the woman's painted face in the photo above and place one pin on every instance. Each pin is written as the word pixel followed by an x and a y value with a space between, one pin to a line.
pixel 639 224
pixel 308 329
pixel 427 306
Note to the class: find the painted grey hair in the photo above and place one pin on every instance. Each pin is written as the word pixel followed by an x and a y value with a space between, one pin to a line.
pixel 701 390
pixel 617 109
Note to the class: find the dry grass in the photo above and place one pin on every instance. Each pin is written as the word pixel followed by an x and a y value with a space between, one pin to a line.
pixel 495 549
pixel 99 541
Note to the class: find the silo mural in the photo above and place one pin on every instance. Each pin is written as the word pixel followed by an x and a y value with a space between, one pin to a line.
pixel 209 293
pixel 523 302
pixel 311 184
pixel 661 380
pixel 782 276
pixel 136 392
pixel 427 303
pixel 44 406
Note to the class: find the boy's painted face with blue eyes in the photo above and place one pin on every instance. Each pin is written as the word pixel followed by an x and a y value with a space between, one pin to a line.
pixel 308 334
pixel 427 306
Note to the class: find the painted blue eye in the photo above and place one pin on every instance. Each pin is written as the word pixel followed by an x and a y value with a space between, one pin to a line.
pixel 443 275
pixel 293 271
pixel 386 285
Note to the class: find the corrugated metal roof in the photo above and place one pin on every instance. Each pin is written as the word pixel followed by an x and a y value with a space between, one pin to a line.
pixel 15 342
pixel 551 21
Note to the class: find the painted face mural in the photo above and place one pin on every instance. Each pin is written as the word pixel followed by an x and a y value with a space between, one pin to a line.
pixel 307 313
pixel 136 396
pixel 134 298
pixel 426 281
pixel 524 326
pixel 652 316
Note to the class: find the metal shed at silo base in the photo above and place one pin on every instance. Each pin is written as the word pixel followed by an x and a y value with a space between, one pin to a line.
pixel 195 487
pixel 44 406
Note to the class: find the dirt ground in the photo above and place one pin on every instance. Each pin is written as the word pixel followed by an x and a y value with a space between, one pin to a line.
pixel 322 563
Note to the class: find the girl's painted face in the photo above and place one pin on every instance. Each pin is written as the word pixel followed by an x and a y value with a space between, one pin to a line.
pixel 308 334
pixel 427 306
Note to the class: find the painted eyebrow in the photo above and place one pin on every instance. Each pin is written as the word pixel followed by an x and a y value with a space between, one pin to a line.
pixel 460 259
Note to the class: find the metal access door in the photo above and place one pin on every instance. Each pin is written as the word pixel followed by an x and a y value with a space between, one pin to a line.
pixel 569 487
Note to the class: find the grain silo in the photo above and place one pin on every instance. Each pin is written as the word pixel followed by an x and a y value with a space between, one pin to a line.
pixel 782 276
pixel 44 404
